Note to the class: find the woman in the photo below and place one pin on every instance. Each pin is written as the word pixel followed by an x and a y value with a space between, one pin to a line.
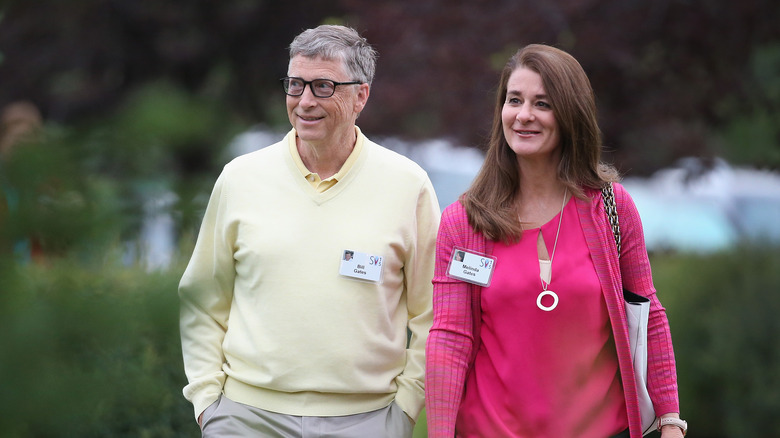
pixel 538 346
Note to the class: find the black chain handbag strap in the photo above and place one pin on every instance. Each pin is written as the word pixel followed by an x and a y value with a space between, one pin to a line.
pixel 608 192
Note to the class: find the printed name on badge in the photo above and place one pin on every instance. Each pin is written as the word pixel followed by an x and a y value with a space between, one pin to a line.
pixel 471 267
pixel 361 266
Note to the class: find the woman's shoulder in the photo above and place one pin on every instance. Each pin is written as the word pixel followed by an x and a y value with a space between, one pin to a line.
pixel 455 220
pixel 622 197
pixel 620 192
pixel 455 207
pixel 454 213
pixel 626 208
pixel 455 224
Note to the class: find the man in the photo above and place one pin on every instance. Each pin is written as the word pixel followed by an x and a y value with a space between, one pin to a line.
pixel 281 337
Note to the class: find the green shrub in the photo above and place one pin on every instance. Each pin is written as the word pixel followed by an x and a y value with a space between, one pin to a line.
pixel 724 309
pixel 91 353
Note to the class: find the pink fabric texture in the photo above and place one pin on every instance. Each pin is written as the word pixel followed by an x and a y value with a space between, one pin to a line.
pixel 454 338
pixel 535 364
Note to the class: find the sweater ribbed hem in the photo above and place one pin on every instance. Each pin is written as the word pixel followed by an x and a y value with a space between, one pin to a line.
pixel 305 403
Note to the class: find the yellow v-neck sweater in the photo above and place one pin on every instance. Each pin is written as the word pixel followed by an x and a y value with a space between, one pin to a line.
pixel 265 316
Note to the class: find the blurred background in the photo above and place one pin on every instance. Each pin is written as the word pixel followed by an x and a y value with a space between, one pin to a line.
pixel 118 115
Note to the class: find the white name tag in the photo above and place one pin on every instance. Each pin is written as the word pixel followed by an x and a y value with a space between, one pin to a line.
pixel 471 267
pixel 361 266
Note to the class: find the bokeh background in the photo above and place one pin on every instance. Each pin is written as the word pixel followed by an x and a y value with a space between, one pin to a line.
pixel 117 116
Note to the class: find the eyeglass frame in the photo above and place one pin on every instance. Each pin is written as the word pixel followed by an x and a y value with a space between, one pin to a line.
pixel 310 84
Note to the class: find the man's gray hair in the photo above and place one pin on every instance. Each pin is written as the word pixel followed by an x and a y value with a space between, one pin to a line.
pixel 342 43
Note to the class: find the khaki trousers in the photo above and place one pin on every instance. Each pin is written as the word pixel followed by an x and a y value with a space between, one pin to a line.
pixel 226 418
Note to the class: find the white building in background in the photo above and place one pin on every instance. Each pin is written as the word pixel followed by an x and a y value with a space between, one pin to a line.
pixel 695 206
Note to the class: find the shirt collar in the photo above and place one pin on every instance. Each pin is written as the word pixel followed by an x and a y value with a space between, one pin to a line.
pixel 314 179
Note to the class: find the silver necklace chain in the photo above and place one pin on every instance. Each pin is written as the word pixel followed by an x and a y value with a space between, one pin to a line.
pixel 545 285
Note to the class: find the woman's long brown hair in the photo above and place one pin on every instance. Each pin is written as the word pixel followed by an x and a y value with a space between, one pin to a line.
pixel 490 201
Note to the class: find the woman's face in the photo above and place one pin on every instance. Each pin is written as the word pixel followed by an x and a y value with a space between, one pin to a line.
pixel 528 117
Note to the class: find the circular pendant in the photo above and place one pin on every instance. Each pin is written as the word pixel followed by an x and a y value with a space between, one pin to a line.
pixel 547 308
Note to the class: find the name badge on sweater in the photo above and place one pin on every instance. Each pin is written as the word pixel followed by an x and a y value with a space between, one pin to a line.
pixel 361 266
pixel 471 267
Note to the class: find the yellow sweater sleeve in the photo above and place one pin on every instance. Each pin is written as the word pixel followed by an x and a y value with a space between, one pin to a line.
pixel 418 274
pixel 206 291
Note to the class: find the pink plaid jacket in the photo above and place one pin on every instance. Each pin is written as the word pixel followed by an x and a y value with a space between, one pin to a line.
pixel 454 337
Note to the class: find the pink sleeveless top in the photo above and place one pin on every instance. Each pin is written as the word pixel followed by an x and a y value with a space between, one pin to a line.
pixel 544 374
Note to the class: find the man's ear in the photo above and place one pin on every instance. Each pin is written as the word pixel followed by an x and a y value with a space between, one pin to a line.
pixel 362 97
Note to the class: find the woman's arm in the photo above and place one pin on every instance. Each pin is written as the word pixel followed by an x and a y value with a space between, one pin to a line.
pixel 450 341
pixel 637 277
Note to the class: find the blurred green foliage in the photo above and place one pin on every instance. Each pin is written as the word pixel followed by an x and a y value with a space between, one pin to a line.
pixel 751 134
pixel 83 188
pixel 91 345
pixel 51 202
pixel 723 309
pixel 90 351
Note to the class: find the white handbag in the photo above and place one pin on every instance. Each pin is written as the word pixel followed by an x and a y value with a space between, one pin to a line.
pixel 637 314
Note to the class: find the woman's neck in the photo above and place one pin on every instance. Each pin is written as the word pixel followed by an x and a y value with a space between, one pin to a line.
pixel 540 195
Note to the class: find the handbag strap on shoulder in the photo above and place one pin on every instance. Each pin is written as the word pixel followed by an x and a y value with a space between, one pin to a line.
pixel 608 193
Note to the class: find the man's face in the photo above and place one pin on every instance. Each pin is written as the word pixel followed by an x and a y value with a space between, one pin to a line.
pixel 322 120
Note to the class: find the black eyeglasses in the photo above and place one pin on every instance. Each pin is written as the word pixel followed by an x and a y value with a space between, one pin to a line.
pixel 319 87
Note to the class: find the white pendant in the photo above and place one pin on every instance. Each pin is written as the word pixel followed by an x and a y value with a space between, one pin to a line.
pixel 543 307
pixel 545 271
